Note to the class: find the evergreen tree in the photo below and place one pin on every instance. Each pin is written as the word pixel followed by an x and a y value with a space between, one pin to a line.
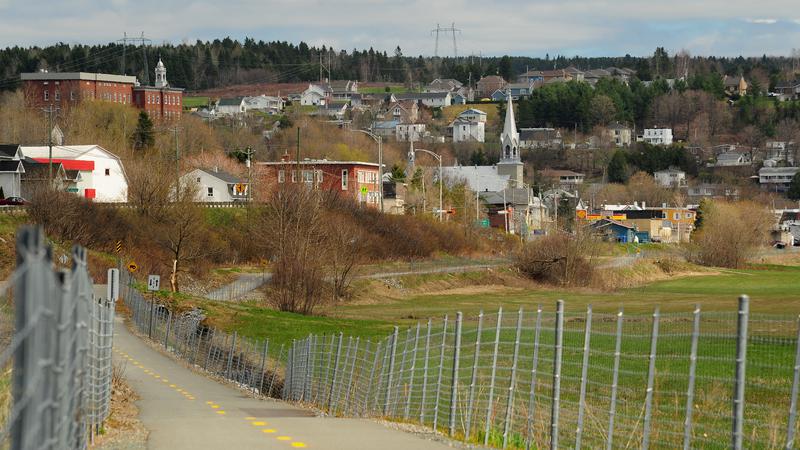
pixel 618 168
pixel 794 188
pixel 505 69
pixel 143 135
pixel 398 173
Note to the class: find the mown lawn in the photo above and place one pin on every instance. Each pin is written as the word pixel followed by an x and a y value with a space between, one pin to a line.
pixel 194 102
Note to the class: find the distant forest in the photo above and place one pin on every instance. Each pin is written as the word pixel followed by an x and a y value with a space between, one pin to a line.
pixel 205 65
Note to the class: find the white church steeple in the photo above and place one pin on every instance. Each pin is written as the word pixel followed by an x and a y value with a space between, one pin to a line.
pixel 509 140
pixel 161 75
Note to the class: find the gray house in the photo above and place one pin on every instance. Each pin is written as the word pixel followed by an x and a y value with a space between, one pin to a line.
pixel 216 186
pixel 11 170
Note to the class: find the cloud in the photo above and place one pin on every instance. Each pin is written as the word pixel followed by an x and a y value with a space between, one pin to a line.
pixel 762 21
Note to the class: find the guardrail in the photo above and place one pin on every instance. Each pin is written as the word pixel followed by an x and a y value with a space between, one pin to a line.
pixel 57 353
pixel 22 208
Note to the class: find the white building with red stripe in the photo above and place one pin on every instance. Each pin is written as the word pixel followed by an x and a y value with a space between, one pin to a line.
pixel 102 176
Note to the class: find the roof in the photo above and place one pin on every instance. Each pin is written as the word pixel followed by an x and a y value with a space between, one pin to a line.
pixel 729 81
pixel 48 76
pixel 560 173
pixel 602 223
pixel 513 196
pixel 230 101
pixel 386 124
pixel 530 134
pixel 778 171
pixel 421 95
pixel 318 162
pixel 729 156
pixel 472 111
pixel 618 126
pixel 222 175
pixel 492 79
pixel 38 171
pixel 69 164
pixel 8 150
pixel 11 166
pixel 670 170
pixel 532 73
pixel 478 178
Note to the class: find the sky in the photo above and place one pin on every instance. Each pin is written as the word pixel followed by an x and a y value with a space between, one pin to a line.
pixel 490 28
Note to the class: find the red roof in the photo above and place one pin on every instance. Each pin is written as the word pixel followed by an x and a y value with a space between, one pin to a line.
pixel 70 164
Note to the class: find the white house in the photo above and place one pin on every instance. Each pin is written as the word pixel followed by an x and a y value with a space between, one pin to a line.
pixel 466 130
pixel 473 115
pixel 266 103
pixel 776 179
pixel 429 99
pixel 410 131
pixel 313 96
pixel 733 159
pixel 671 177
pixel 658 136
pixel 230 106
pixel 215 186
pixel 11 170
pixel 101 174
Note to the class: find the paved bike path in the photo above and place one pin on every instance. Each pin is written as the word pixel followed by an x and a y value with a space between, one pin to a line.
pixel 185 410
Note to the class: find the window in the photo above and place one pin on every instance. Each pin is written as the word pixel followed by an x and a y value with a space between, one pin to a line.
pixel 676 216
pixel 198 179
pixel 688 215
pixel 46 96
pixel 108 172
pixel 281 176
pixel 57 95
pixel 308 176
pixel 319 176
pixel 344 179
pixel 72 95
pixel 211 192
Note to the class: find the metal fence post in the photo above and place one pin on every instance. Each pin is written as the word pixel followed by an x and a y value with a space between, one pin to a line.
pixel 534 373
pixel 401 371
pixel 350 376
pixel 687 423
pixel 425 374
pixel 307 376
pixel 230 356
pixel 263 366
pixel 489 402
pixel 651 375
pixel 391 373
pixel 210 342
pixel 558 350
pixel 371 379
pixel 166 335
pixel 741 361
pixel 328 365
pixel 513 381
pixel 474 379
pixel 407 410
pixel 793 400
pixel 439 378
pixel 615 380
pixel 584 376
pixel 335 373
pixel 454 381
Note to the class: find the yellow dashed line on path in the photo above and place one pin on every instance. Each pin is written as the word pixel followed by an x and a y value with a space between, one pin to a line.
pixel 283 438
pixel 267 430
pixel 299 444
pixel 220 412
pixel 215 406
pixel 250 418
pixel 258 424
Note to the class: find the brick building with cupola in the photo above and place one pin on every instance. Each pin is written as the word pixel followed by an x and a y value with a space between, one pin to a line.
pixel 67 89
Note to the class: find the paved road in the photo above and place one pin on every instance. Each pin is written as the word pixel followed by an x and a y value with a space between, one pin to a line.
pixel 184 410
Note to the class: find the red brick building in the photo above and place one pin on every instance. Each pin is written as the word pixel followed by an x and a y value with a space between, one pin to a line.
pixel 65 89
pixel 356 179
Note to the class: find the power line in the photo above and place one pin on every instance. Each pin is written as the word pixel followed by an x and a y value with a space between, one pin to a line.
pixel 451 29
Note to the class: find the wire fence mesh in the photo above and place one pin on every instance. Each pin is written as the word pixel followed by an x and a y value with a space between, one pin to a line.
pixel 56 345
pixel 241 288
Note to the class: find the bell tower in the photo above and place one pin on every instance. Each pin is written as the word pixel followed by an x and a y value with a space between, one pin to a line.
pixel 161 75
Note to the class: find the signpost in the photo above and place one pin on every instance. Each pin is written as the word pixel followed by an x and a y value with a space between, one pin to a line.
pixel 132 267
pixel 153 282
pixel 112 286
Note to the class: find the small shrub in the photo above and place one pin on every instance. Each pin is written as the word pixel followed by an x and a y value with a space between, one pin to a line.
pixel 561 258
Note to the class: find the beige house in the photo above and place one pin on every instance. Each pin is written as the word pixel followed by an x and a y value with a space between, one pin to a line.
pixel 735 85
pixel 620 134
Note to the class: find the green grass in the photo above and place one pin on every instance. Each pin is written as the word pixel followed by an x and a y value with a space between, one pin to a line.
pixel 381 90
pixel 195 102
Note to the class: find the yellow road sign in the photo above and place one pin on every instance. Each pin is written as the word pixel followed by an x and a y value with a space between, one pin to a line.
pixel 132 267
pixel 118 247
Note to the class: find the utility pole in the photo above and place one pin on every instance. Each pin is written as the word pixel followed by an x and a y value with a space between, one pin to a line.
pixel 249 152
pixel 50 111
pixel 297 161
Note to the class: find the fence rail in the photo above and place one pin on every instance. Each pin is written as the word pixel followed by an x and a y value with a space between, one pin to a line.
pixel 56 356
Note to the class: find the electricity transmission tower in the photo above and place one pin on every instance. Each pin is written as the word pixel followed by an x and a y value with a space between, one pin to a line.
pixel 144 42
pixel 444 30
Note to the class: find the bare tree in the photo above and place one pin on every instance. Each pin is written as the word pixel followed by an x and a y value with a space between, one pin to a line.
pixel 746 226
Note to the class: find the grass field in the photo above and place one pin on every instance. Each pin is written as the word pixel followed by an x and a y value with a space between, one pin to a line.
pixel 195 102
pixel 492 113
pixel 382 89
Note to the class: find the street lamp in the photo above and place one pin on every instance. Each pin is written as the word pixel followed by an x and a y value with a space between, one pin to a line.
pixel 379 140
pixel 441 179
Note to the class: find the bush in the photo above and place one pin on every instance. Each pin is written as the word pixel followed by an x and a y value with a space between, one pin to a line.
pixel 731 233
pixel 562 258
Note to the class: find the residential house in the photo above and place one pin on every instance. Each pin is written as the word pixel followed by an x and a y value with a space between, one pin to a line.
pixel 573 73
pixel 670 178
pixel 566 179
pixel 405 132
pixel 477 178
pixel 734 85
pixel 385 128
pixel 333 111
pixel 658 136
pixel 215 186
pixel 11 171
pixel 341 90
pixel 394 196
pixel 622 74
pixel 444 85
pixel 102 176
pixel 540 138
pixel 595 75
pixel 263 103
pixel 460 99
pixel 354 179
pixel 429 99
pixel 622 135
pixel 465 130
pixel 489 84
pixel 613 231
pixel 516 90
pixel 776 179
pixel 36 175
pixel 697 192
pixel 734 159
pixel 473 115
pixel 531 76
pixel 514 210
pixel 676 223
pixel 781 151
pixel 406 111
pixel 314 95
pixel 230 106
pixel 788 90
pixel 10 152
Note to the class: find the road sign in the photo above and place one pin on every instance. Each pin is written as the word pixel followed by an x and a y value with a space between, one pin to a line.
pixel 112 286
pixel 483 223
pixel 118 247
pixel 63 259
pixel 364 190
pixel 153 282
pixel 132 267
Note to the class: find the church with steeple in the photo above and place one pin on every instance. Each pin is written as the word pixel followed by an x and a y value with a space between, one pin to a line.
pixel 511 162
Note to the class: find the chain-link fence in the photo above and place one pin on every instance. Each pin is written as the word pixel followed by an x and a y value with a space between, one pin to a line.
pixel 239 289
pixel 252 364
pixel 56 340
pixel 547 379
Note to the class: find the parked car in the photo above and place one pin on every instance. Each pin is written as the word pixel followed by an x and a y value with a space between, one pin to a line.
pixel 13 201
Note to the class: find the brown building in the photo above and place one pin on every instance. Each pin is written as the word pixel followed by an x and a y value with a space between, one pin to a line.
pixel 65 89
pixel 488 84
